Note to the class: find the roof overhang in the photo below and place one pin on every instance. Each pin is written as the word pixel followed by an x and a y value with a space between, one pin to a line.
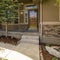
pixel 25 1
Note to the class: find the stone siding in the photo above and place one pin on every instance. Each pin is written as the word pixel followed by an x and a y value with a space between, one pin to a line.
pixel 51 34
pixel 51 30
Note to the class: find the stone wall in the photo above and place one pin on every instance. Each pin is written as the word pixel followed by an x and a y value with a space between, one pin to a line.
pixel 51 30
pixel 51 33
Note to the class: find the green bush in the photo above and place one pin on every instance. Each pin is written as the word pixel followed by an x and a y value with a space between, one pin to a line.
pixel 54 58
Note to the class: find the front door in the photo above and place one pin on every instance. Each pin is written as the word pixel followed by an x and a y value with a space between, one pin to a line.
pixel 32 18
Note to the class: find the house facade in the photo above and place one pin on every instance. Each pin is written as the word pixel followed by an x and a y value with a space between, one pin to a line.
pixel 42 18
pixel 27 18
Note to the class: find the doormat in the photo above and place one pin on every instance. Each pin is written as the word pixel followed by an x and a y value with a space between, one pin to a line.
pixel 10 40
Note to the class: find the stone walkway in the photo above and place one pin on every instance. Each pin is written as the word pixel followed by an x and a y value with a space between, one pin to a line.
pixel 29 46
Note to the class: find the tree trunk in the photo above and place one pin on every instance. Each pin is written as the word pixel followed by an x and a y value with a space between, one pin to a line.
pixel 6 29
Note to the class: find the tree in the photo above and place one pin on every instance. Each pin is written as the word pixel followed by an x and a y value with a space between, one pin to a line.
pixel 8 12
pixel 58 1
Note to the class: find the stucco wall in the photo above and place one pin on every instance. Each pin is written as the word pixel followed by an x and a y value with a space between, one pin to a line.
pixel 50 11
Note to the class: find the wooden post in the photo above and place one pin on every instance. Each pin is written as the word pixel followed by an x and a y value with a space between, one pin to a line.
pixel 6 29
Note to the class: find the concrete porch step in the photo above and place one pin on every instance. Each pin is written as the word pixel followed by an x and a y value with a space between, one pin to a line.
pixel 30 39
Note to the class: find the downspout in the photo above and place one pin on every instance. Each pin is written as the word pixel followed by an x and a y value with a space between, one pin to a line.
pixel 7 22
pixel 59 12
pixel 41 21
pixel 41 28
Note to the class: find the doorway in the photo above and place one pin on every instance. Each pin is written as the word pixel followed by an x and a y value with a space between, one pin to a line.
pixel 33 19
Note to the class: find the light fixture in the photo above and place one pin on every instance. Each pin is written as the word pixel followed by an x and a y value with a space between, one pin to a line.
pixel 21 12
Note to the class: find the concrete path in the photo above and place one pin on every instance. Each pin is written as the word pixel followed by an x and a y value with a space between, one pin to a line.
pixel 29 46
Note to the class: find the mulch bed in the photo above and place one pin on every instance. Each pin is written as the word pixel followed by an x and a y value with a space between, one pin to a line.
pixel 46 55
pixel 8 39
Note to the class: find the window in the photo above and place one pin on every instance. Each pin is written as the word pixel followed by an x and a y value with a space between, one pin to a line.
pixel 22 16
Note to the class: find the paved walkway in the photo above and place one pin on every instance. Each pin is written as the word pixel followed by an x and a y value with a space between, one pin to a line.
pixel 29 46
